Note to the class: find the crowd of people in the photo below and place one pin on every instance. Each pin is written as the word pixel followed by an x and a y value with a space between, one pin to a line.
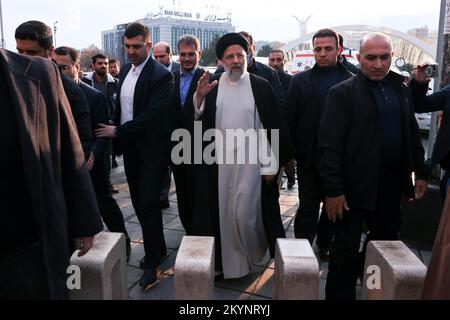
pixel 348 132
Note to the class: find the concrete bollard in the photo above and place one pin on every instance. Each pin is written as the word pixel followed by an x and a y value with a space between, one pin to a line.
pixel 392 272
pixel 103 269
pixel 194 269
pixel 296 271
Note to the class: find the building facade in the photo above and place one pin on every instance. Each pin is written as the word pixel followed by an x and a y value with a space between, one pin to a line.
pixel 169 26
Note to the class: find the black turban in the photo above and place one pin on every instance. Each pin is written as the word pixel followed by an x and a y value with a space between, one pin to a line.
pixel 229 40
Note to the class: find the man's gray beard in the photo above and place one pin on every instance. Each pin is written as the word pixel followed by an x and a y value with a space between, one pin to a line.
pixel 234 75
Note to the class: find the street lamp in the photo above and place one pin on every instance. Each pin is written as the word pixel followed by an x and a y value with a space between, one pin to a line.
pixel 54 30
pixel 2 40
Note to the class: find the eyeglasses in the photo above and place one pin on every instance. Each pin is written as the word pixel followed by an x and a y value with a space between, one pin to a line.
pixel 187 54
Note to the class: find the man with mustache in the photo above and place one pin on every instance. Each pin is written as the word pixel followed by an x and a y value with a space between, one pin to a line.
pixel 237 203
pixel 369 145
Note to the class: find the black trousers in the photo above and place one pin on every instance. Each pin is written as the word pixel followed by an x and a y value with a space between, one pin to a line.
pixel 109 209
pixel 166 185
pixel 307 223
pixel 145 180
pixel 383 223
pixel 23 275
pixel 184 182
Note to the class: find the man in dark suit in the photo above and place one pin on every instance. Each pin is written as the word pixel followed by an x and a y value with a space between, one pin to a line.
pixel 304 109
pixel 186 82
pixel 276 61
pixel 438 101
pixel 68 60
pixel 46 170
pixel 34 38
pixel 144 122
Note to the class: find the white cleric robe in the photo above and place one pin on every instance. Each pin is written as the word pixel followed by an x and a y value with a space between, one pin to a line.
pixel 242 232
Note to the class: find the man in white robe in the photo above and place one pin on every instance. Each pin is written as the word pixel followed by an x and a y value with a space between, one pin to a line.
pixel 244 232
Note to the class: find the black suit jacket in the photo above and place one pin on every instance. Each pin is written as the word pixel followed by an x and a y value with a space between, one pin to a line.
pixel 439 101
pixel 99 114
pixel 350 144
pixel 185 114
pixel 303 113
pixel 153 119
pixel 61 192
pixel 80 110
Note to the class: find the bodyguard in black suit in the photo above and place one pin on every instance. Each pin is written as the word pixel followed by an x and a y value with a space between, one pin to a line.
pixel 186 81
pixel 438 101
pixel 304 109
pixel 144 122
pixel 68 61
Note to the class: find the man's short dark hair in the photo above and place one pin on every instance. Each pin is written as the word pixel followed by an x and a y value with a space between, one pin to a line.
pixel 114 61
pixel 138 29
pixel 68 51
pixel 277 51
pixel 324 33
pixel 189 40
pixel 247 36
pixel 35 31
pixel 98 56
pixel 341 40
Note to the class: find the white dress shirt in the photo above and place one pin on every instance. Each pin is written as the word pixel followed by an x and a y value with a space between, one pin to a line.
pixel 127 92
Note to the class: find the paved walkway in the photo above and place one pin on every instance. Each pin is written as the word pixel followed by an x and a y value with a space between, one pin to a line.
pixel 257 286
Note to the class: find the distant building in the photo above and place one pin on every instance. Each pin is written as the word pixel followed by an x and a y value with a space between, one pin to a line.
pixel 169 26
pixel 420 33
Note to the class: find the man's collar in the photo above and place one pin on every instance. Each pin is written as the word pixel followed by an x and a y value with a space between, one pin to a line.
pixel 141 66
pixel 183 73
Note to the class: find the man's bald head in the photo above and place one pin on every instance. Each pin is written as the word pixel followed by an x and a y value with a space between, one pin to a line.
pixel 375 56
pixel 375 36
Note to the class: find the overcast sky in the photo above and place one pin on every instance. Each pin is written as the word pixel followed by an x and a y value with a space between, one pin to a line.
pixel 80 22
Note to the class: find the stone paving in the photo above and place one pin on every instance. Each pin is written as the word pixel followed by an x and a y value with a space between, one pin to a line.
pixel 257 286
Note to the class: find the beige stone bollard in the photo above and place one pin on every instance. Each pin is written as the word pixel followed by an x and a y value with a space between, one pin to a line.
pixel 103 269
pixel 296 271
pixel 392 272
pixel 194 269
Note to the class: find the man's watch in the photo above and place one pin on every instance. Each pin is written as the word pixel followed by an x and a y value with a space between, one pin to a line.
pixel 115 132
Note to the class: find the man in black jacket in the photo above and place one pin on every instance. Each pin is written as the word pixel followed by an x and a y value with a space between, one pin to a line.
pixel 68 61
pixel 369 146
pixel 186 81
pixel 438 101
pixel 304 108
pixel 34 38
pixel 144 123
pixel 276 61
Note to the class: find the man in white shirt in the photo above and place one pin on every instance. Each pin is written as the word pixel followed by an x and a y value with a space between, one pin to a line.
pixel 144 123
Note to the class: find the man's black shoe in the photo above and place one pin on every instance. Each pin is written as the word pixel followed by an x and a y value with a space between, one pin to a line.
pixel 115 164
pixel 149 279
pixel 128 241
pixel 142 263
pixel 164 204
pixel 115 191
pixel 324 254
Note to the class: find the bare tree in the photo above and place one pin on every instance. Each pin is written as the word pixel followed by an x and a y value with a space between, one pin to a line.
pixel 86 55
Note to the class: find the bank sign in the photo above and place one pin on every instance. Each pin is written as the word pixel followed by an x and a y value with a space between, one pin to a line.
pixel 177 14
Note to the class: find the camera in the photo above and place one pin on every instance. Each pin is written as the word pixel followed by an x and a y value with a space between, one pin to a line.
pixel 432 71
